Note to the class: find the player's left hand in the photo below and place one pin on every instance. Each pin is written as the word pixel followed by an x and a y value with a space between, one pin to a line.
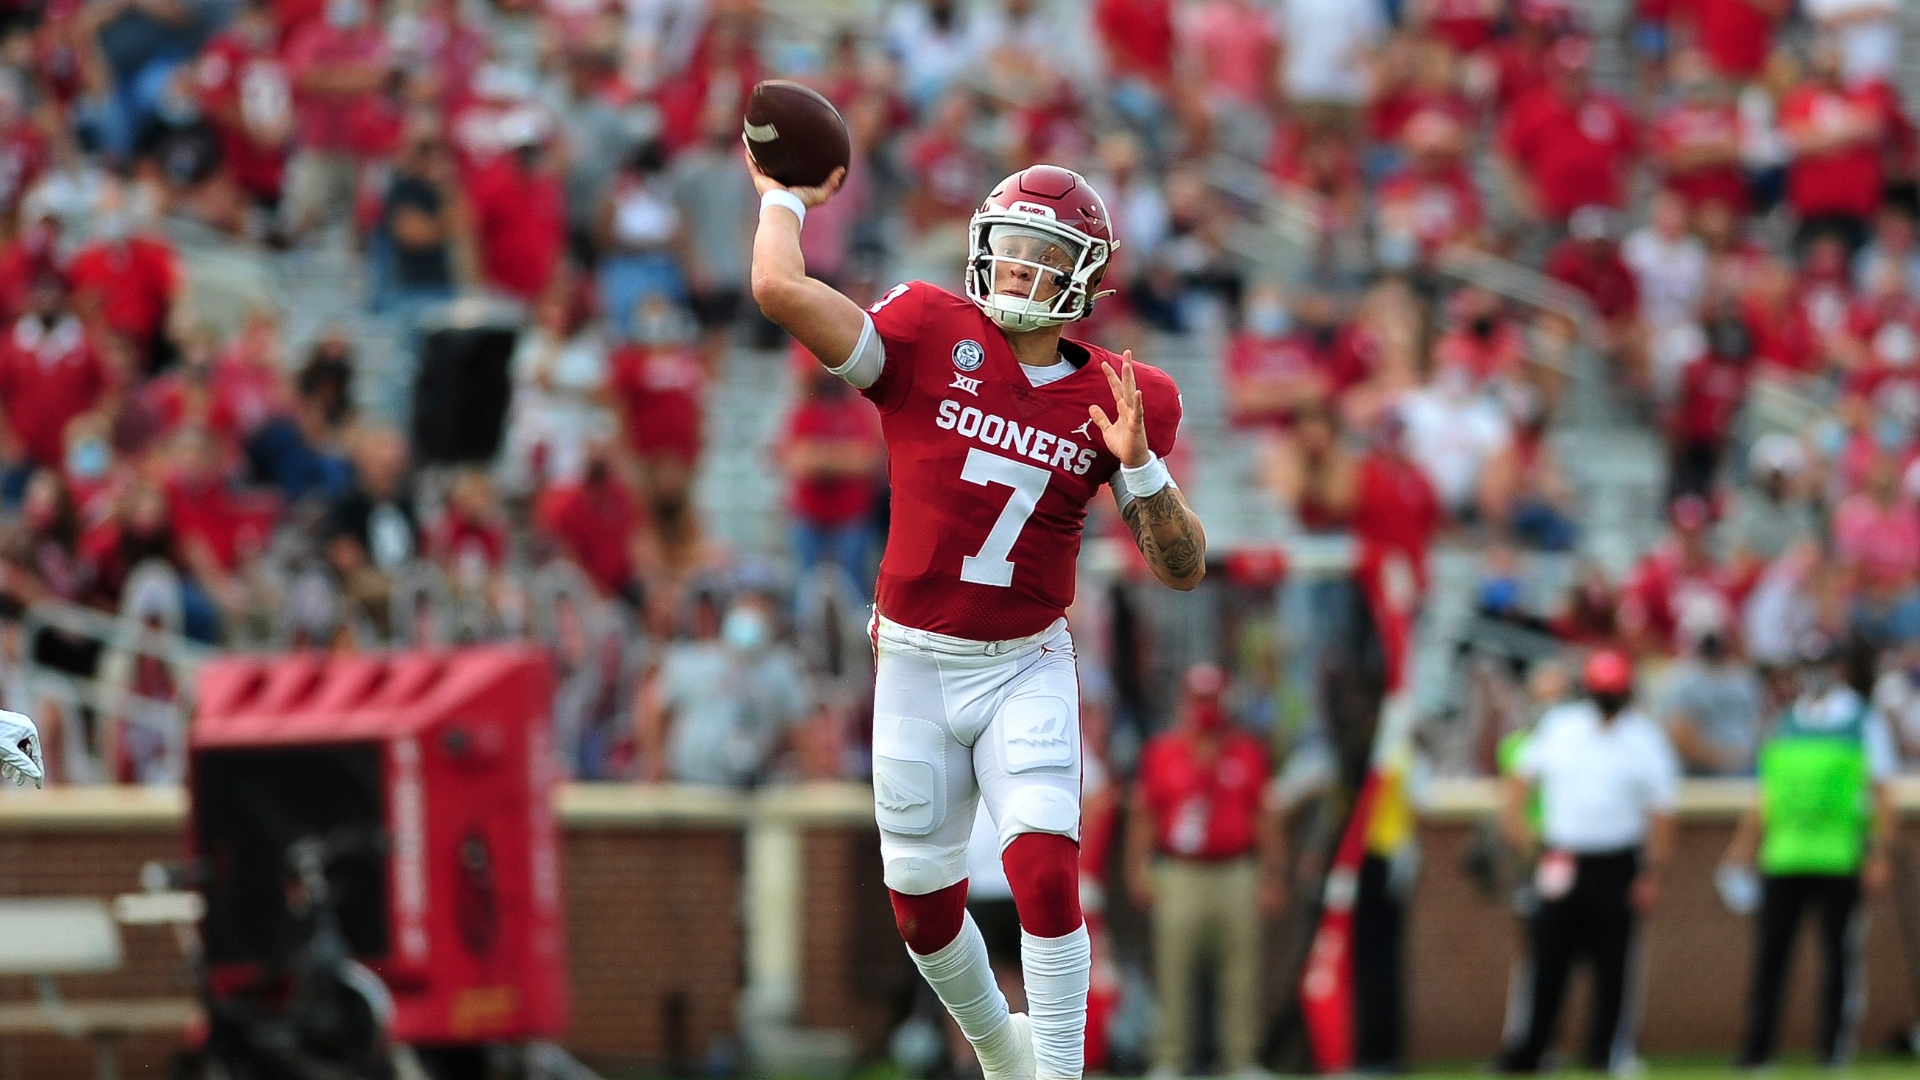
pixel 20 750
pixel 1126 433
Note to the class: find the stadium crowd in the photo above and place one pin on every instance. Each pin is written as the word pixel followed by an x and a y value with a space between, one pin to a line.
pixel 1739 210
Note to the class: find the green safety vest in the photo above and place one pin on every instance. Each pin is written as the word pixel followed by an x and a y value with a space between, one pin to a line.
pixel 1506 755
pixel 1815 793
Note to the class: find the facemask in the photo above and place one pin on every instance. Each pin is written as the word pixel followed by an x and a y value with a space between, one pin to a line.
pixel 744 630
pixel 111 225
pixel 1482 326
pixel 1610 703
pixel 1269 320
pixel 88 459
pixel 345 14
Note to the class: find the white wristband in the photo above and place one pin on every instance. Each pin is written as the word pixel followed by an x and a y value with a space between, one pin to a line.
pixel 1148 479
pixel 787 200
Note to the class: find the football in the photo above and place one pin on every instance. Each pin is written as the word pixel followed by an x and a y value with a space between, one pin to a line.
pixel 795 136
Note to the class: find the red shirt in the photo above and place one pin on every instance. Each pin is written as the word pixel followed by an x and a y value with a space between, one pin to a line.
pixel 1782 337
pixel 236 78
pixel 1499 353
pixel 134 285
pixel 833 501
pixel 1711 390
pixel 1690 125
pixel 1395 509
pixel 1735 34
pixel 1436 209
pixel 1138 35
pixel 1574 152
pixel 991 476
pixel 1606 280
pixel 206 512
pixel 520 217
pixel 1467 25
pixel 659 391
pixel 1846 179
pixel 46 379
pixel 1295 357
pixel 336 123
pixel 460 541
pixel 1663 585
pixel 1207 810
pixel 595 523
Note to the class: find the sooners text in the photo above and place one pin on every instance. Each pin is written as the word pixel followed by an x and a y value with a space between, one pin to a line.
pixel 999 432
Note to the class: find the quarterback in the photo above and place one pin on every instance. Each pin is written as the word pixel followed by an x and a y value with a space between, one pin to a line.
pixel 998 437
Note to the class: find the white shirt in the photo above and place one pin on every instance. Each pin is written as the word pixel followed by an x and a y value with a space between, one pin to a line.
pixel 1451 436
pixel 1870 44
pixel 1324 41
pixel 1600 782
pixel 1672 275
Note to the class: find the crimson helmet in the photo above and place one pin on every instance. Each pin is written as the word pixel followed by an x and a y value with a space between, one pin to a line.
pixel 1608 671
pixel 1050 207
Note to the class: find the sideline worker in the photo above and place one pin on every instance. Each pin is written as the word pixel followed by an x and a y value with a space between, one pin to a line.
pixel 1607 779
pixel 1200 808
pixel 1822 823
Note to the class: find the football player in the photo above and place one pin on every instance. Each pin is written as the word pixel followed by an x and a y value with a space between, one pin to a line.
pixel 998 437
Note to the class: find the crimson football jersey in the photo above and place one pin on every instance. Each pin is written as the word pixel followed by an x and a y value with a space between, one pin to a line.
pixel 991 475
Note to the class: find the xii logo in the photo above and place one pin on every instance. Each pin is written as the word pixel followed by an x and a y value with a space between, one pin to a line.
pixel 962 382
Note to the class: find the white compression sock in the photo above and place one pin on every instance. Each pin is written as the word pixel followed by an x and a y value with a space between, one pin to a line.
pixel 962 976
pixel 1058 973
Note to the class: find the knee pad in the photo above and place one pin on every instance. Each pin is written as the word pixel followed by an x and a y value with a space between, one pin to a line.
pixel 915 874
pixel 1043 870
pixel 1039 808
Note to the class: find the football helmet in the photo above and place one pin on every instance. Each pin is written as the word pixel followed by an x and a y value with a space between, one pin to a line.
pixel 1045 226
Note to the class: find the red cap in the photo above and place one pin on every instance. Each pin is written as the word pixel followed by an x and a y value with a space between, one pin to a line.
pixel 1608 671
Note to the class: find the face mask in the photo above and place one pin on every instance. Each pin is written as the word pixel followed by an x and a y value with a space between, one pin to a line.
pixel 345 14
pixel 1610 703
pixel 88 459
pixel 111 226
pixel 1269 320
pixel 1482 326
pixel 744 630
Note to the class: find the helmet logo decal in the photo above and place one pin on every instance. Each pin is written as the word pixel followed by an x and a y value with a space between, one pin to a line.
pixel 968 355
pixel 1033 208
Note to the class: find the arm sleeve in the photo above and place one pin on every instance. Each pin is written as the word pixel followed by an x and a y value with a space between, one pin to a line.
pixel 869 358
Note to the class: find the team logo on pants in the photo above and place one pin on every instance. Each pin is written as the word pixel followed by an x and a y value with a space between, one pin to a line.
pixel 968 355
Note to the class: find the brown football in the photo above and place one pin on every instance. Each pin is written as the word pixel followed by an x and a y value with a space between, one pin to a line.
pixel 795 135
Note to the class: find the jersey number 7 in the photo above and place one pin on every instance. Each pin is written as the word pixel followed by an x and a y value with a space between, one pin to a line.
pixel 990 565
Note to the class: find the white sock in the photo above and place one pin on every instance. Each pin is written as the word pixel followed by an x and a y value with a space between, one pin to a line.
pixel 1058 972
pixel 962 976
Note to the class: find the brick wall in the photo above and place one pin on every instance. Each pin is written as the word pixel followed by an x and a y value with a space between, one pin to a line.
pixel 657 963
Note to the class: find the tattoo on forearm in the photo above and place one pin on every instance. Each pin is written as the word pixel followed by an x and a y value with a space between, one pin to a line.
pixel 1163 530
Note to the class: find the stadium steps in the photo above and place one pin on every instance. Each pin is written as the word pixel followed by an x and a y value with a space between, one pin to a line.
pixel 739 489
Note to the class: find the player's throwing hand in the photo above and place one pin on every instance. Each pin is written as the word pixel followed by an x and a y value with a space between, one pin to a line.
pixel 811 196
pixel 1126 433
pixel 20 749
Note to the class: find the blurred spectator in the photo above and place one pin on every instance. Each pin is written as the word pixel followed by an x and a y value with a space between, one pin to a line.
pixel 1787 603
pixel 1482 344
pixel 1712 389
pixel 1325 47
pixel 1866 33
pixel 1274 368
pixel 718 209
pixel 1680 575
pixel 1522 488
pixel 1736 35
pixel 1452 432
pixel 596 523
pixel 1711 703
pixel 833 455
pixel 1314 473
pixel 517 205
pixel 1876 538
pixel 642 234
pixel 1589 260
pixel 1431 199
pixel 470 542
pixel 247 91
pixel 933 42
pixel 338 65
pixel 1565 144
pixel 50 374
pixel 1895 247
pixel 1396 510
pixel 299 452
pixel 1773 513
pixel 416 243
pixel 40 554
pixel 1835 133
pixel 1696 138
pixel 1137 37
pixel 372 530
pixel 1204 858
pixel 658 383
pixel 559 405
pixel 125 285
pixel 722 706
pixel 1669 266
